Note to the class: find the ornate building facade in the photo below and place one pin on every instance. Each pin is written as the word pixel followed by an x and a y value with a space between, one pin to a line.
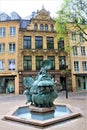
pixel 25 43
pixel 37 42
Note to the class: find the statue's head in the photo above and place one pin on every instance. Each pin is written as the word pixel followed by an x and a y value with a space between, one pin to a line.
pixel 47 64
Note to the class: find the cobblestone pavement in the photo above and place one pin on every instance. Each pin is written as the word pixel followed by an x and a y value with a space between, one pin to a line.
pixel 77 100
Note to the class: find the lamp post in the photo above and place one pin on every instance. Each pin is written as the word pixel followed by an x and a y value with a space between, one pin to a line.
pixel 64 74
pixel 66 83
pixel 66 88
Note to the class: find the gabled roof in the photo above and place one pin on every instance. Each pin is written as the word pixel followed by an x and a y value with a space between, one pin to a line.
pixel 4 17
pixel 15 16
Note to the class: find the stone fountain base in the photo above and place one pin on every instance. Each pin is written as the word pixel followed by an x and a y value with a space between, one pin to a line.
pixel 44 116
pixel 41 110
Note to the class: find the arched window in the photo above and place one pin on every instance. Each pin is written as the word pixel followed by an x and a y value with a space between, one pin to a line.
pixel 46 27
pixel 41 27
pixel 35 26
pixel 52 27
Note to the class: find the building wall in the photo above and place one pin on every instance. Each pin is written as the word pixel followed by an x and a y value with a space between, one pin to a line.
pixel 33 52
pixel 80 74
pixel 6 55
pixel 17 75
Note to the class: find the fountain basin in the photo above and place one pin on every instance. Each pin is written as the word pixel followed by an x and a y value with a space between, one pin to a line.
pixel 61 113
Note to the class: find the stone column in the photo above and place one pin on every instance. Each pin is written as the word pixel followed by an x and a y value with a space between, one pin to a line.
pixel 73 83
pixel 56 63
pixel 57 78
pixel 17 84
pixel 33 62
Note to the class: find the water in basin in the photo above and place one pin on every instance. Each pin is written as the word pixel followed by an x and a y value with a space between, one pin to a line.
pixel 24 113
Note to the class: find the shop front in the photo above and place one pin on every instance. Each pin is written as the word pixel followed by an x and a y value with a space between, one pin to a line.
pixel 81 82
pixel 7 84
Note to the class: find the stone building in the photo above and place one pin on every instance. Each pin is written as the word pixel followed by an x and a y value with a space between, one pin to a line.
pixel 37 42
pixel 78 56
pixel 25 43
pixel 9 31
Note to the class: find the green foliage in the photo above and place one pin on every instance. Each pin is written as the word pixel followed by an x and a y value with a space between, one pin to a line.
pixel 65 72
pixel 68 48
pixel 72 11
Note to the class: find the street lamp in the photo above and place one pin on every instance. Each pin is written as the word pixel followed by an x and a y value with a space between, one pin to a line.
pixel 66 88
pixel 66 82
pixel 65 73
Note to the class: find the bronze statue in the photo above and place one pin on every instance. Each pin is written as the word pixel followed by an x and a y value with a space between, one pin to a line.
pixel 41 92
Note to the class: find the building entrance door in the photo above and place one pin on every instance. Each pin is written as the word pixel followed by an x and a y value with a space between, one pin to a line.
pixel 62 83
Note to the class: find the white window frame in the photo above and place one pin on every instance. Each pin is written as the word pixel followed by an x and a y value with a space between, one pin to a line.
pixel 76 66
pixel 81 37
pixel 12 31
pixel 84 65
pixel 2 65
pixel 75 50
pixel 74 37
pixel 2 47
pixel 13 47
pixel 2 31
pixel 83 51
pixel 12 64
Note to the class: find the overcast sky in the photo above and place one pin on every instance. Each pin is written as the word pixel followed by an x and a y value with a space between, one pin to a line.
pixel 26 7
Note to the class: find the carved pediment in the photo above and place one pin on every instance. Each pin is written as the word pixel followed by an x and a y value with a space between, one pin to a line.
pixel 43 13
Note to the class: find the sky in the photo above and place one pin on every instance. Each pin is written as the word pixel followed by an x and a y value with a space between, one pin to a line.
pixel 25 7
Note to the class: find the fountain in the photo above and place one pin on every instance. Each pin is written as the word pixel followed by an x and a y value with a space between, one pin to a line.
pixel 40 95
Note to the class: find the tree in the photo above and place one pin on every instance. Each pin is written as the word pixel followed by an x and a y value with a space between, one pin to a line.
pixel 74 12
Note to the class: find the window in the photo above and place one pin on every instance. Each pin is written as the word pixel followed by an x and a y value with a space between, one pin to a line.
pixel 27 63
pixel 39 42
pixel 2 32
pixel 1 65
pixel 3 18
pixel 27 42
pixel 76 66
pixel 35 26
pixel 12 31
pixel 39 60
pixel 81 37
pixel 62 63
pixel 11 64
pixel 50 43
pixel 41 27
pixel 52 27
pixel 75 50
pixel 83 51
pixel 52 58
pixel 84 65
pixel 2 47
pixel 46 27
pixel 12 47
pixel 61 44
pixel 73 36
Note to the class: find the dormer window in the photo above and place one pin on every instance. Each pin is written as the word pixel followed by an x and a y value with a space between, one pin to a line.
pixel 46 27
pixel 35 26
pixel 41 27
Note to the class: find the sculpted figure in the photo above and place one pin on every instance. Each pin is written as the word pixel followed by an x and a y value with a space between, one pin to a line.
pixel 41 92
